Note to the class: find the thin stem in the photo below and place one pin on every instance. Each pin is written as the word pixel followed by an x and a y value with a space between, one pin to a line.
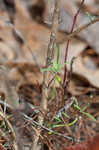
pixel 77 31
pixel 67 46
pixel 83 28
pixel 50 56
pixel 50 52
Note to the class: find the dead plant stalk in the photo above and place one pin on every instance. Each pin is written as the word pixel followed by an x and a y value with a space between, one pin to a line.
pixel 50 56
pixel 67 47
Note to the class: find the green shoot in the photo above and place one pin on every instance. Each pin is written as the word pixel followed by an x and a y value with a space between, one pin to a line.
pixel 52 93
pixel 73 122
pixel 63 125
pixel 82 110
pixel 65 115
pixel 89 116
pixel 57 119
pixel 58 79
pixel 85 107
pixel 54 68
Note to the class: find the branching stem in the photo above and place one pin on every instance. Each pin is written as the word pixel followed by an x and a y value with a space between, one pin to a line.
pixel 67 46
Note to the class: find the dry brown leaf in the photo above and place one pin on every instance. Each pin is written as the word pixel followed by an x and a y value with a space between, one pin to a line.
pixel 11 96
pixel 91 75
pixel 37 36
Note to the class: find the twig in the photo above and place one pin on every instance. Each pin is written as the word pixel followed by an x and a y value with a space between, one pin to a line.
pixel 65 108
pixel 83 27
pixel 50 53
pixel 11 129
pixel 51 80
pixel 45 128
pixel 77 31
pixel 69 75
pixel 67 46
pixel 50 56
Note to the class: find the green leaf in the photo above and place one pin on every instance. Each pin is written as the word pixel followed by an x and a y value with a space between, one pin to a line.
pixel 58 79
pixel 76 102
pixel 58 125
pixel 77 107
pixel 73 122
pixel 53 93
pixel 55 67
pixel 65 115
pixel 46 69
pixel 90 116
pixel 57 119
pixel 50 132
pixel 85 107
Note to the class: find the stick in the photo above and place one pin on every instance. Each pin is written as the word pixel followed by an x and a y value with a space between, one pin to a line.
pixel 50 56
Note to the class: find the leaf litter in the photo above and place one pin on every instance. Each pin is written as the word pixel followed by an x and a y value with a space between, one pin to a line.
pixel 67 127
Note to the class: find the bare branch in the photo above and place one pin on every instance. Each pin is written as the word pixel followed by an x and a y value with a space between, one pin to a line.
pixel 80 29
pixel 67 46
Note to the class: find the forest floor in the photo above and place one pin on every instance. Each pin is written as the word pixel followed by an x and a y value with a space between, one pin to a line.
pixel 71 118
